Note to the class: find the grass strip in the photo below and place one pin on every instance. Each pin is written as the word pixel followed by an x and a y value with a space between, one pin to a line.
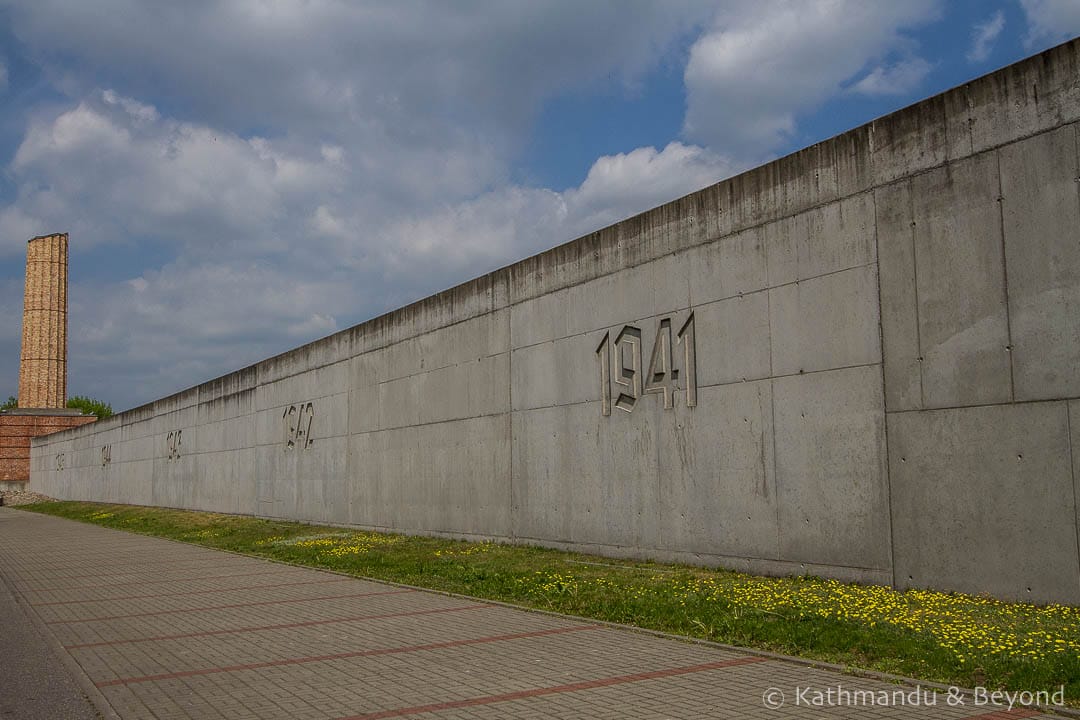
pixel 952 638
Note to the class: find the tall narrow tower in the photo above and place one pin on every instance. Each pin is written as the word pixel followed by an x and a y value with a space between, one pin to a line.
pixel 43 363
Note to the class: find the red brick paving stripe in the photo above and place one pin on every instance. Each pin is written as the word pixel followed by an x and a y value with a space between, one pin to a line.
pixel 193 592
pixel 229 607
pixel 551 690
pixel 104 555
pixel 345 655
pixel 149 569
pixel 283 626
pixel 1007 714
pixel 159 582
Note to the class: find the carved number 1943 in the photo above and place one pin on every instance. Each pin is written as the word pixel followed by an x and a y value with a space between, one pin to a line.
pixel 620 365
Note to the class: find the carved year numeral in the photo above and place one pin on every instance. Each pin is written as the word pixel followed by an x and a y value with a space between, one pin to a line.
pixel 689 343
pixel 60 459
pixel 621 366
pixel 106 455
pixel 628 367
pixel 174 441
pixel 603 352
pixel 297 425
pixel 662 376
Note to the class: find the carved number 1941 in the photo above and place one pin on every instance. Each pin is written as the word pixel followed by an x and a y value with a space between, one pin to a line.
pixel 620 365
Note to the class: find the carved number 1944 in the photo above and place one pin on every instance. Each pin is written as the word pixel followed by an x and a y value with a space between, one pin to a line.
pixel 620 365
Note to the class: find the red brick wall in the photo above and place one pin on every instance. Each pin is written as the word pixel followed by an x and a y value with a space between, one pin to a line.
pixel 15 434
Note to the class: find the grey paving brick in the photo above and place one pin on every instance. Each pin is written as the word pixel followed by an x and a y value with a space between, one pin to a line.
pixel 167 630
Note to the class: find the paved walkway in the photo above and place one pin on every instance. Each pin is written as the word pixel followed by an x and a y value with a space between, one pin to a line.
pixel 166 630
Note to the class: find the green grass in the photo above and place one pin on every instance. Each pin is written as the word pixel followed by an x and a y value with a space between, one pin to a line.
pixel 945 637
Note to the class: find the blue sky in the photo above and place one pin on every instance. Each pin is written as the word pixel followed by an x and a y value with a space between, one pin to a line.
pixel 239 178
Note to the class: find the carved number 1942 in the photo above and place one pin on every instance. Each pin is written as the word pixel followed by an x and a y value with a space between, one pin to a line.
pixel 620 365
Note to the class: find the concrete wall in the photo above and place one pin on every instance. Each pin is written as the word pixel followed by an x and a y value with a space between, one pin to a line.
pixel 860 361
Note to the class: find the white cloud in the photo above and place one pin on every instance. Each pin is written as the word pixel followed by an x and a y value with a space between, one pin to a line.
pixel 184 323
pixel 621 185
pixel 16 227
pixel 898 79
pixel 138 111
pixel 984 36
pixel 113 168
pixel 430 99
pixel 272 247
pixel 1050 21
pixel 298 167
pixel 465 239
pixel 761 64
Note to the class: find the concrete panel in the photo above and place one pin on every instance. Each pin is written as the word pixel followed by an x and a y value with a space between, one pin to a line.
pixel 1041 211
pixel 807 178
pixel 830 468
pixel 729 267
pixel 134 482
pixel 1074 452
pixel 400 360
pixel 983 501
pixel 230 434
pixel 462 486
pixel 225 407
pixel 899 300
pixel 301 478
pixel 443 394
pixel 562 372
pixel 581 477
pixel 539 320
pixel 823 240
pixel 840 236
pixel 327 417
pixel 854 167
pixel 143 448
pixel 782 240
pixel 218 483
pixel 398 467
pixel 657 287
pixel 489 385
pixel 1025 98
pixel 961 284
pixel 303 386
pixel 827 322
pixel 479 387
pixel 547 473
pixel 732 338
pixel 717 482
pixel 909 140
pixel 399 402
pixel 364 375
pixel 466 341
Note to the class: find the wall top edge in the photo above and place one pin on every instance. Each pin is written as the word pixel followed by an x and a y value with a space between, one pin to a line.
pixel 46 412
pixel 897 145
